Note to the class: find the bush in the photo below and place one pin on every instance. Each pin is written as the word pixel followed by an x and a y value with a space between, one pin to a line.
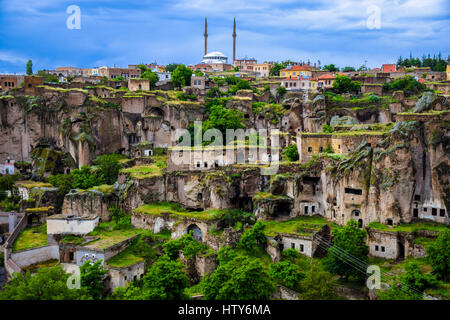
pixel 291 152
pixel 253 238
pixel 327 128
pixel 344 84
pixel 286 273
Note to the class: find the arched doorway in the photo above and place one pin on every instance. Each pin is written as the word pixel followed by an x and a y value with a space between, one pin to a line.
pixel 196 232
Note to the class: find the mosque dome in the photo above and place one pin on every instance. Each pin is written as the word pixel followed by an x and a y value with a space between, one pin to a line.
pixel 215 57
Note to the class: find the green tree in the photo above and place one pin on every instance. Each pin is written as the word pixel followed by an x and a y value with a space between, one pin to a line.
pixel 181 76
pixel 415 279
pixel 165 280
pixel 291 152
pixel 109 167
pixel 281 91
pixel 277 67
pixel 397 292
pixel 348 239
pixel 92 278
pixel 344 84
pixel 286 273
pixel 148 74
pixel 198 73
pixel 86 178
pixel 253 238
pixel 29 70
pixel 47 77
pixel 331 68
pixel 222 119
pixel 406 83
pixel 62 181
pixel 348 69
pixel 171 67
pixel 317 285
pixel 438 254
pixel 45 284
pixel 242 278
pixel 327 128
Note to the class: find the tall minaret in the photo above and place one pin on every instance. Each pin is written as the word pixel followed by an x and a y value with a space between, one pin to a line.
pixel 234 40
pixel 206 36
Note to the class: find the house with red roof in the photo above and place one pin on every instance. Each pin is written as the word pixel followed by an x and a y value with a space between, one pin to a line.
pixel 389 68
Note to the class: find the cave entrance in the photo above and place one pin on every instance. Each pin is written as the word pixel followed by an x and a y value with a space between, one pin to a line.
pixel 360 223
pixel 196 232
pixel 245 203
pixel 282 209
pixel 401 251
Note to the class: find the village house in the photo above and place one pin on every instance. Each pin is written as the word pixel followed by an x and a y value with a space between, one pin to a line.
pixel 326 81
pixel 304 71
pixel 262 70
pixel 138 84
pixel 9 82
pixel 112 73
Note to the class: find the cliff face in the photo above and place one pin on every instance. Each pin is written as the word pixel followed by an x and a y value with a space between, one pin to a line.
pixel 83 125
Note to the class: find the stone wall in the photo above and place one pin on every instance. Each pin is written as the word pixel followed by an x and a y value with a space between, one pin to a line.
pixel 32 256
pixel 121 277
pixel 60 224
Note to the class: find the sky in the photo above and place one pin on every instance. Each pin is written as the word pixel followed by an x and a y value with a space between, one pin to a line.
pixel 118 33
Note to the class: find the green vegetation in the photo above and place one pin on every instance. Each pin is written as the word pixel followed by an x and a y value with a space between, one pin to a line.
pixel 349 239
pixel 92 276
pixel 158 208
pixel 46 284
pixel 181 76
pixel 437 63
pixel 156 169
pixel 166 279
pixel 411 227
pixel 291 152
pixel 438 254
pixel 29 68
pixel 76 240
pixel 108 234
pixel 303 225
pixel 31 238
pixel 344 84
pixel 148 74
pixel 239 278
pixel 408 84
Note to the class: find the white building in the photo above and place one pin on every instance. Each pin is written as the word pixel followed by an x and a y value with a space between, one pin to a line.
pixel 7 167
pixel 164 76
pixel 214 58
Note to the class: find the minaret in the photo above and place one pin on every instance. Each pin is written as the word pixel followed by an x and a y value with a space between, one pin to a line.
pixel 206 36
pixel 234 40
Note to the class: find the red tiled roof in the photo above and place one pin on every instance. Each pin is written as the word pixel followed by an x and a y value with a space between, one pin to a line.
pixel 388 67
pixel 298 68
pixel 327 76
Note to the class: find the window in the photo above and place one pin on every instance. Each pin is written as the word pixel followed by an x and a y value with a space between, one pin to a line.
pixel 417 197
pixel 309 149
pixel 206 164
pixel 389 222
pixel 306 209
pixel 434 211
pixel 376 248
pixel 383 249
pixel 293 245
pixel 353 191
pixel 198 164
pixel 302 248
pixel 425 209
pixel 313 208
pixel 200 197
pixel 321 149
pixel 442 212
pixel 415 212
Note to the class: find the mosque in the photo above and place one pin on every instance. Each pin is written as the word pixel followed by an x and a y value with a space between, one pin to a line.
pixel 216 57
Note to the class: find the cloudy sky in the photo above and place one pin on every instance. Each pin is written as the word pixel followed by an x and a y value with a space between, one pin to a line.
pixel 130 32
